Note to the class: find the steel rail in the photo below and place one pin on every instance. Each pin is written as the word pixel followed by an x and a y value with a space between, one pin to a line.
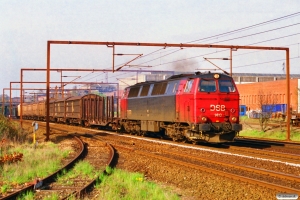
pixel 81 192
pixel 241 167
pixel 222 173
pixel 51 177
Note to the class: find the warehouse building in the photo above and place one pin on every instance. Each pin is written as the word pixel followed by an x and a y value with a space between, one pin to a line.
pixel 252 86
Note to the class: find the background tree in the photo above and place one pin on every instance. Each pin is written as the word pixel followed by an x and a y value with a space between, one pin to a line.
pixel 6 98
pixel 267 104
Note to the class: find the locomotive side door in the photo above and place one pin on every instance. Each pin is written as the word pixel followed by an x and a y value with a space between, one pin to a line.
pixel 179 101
pixel 189 97
pixel 187 101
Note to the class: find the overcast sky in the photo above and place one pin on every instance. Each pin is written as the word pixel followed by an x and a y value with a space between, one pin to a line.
pixel 27 25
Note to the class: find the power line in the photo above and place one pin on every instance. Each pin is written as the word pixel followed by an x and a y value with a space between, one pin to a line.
pixel 275 38
pixel 263 62
pixel 259 33
pixel 226 34
pixel 238 30
pixel 247 27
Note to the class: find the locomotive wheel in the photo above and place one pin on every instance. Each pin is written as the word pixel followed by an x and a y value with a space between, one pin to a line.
pixel 194 142
pixel 142 133
pixel 184 140
pixel 227 126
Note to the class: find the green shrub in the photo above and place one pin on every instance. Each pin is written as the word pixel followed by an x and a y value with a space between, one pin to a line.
pixel 11 130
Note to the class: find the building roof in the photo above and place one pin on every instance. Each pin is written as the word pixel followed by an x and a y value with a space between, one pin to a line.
pixel 264 75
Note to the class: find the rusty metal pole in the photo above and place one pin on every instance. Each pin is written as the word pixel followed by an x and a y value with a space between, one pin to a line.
pixel 48 91
pixel 231 62
pixel 62 86
pixel 288 96
pixel 10 98
pixel 21 102
pixel 3 102
pixel 113 62
pixel 118 100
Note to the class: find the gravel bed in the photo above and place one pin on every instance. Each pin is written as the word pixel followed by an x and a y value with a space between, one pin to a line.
pixel 223 156
pixel 195 184
pixel 189 183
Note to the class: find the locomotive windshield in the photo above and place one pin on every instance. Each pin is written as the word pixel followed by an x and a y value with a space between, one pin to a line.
pixel 226 86
pixel 207 85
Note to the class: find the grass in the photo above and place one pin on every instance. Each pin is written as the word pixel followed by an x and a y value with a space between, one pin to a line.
pixel 82 169
pixel 26 196
pixel 119 185
pixel 251 128
pixel 36 163
pixel 124 185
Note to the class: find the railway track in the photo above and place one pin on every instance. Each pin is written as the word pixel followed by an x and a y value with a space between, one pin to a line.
pixel 269 142
pixel 102 155
pixel 267 153
pixel 278 181
pixel 99 154
pixel 35 184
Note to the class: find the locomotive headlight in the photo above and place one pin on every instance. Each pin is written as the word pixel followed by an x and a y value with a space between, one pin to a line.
pixel 202 110
pixel 233 119
pixel 216 76
pixel 204 119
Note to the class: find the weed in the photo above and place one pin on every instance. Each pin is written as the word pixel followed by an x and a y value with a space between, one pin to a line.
pixel 4 188
pixel 26 196
pixel 124 185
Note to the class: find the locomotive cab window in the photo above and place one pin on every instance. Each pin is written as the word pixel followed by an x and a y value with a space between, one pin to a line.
pixel 159 88
pixel 226 86
pixel 145 90
pixel 188 85
pixel 133 92
pixel 207 85
pixel 172 87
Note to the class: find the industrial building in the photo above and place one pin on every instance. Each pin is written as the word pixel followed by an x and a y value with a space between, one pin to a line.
pixel 253 86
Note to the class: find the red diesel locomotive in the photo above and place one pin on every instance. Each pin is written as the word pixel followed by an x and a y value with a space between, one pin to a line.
pixel 192 107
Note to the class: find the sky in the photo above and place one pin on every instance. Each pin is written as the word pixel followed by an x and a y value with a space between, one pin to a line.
pixel 26 26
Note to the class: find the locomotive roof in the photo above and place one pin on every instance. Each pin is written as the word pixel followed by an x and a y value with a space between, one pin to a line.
pixel 182 76
pixel 197 74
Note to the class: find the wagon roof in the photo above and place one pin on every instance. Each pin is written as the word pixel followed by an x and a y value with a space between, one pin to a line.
pixel 58 100
pixel 87 95
pixel 73 98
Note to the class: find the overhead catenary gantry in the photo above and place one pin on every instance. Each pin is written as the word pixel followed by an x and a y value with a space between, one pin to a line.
pixel 67 69
pixel 165 45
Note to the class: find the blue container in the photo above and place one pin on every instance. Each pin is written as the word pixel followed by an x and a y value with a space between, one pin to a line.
pixel 274 108
pixel 242 110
